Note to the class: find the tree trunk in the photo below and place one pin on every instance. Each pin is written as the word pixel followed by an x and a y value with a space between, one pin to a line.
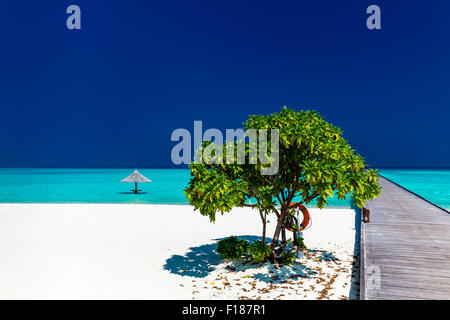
pixel 264 222
pixel 276 235
pixel 263 240
pixel 294 236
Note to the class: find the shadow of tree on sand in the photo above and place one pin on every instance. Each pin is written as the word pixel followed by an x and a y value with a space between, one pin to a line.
pixel 283 273
pixel 202 260
pixel 324 255
pixel 198 261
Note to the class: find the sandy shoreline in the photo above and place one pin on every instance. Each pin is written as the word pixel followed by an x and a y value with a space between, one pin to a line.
pixel 91 251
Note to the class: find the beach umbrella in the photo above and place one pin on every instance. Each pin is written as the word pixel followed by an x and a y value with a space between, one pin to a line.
pixel 136 177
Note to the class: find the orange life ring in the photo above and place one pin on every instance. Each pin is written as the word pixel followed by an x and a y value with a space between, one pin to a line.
pixel 306 216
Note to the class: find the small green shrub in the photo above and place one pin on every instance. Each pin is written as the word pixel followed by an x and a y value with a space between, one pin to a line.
pixel 259 251
pixel 232 248
pixel 287 258
pixel 300 244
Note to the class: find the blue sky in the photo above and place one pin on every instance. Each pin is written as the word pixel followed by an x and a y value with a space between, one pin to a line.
pixel 110 94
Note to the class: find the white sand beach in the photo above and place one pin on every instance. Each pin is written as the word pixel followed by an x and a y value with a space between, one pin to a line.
pixel 101 251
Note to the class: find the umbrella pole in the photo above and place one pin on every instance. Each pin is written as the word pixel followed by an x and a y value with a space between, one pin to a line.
pixel 135 188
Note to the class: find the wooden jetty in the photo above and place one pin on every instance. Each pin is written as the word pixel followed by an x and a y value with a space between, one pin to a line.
pixel 405 249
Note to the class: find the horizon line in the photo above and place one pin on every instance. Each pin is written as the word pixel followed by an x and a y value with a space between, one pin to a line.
pixel 160 167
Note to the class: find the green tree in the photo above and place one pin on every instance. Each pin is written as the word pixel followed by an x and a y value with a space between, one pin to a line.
pixel 315 163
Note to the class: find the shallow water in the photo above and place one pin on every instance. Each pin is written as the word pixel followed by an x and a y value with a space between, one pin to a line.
pixel 90 186
pixel 22 185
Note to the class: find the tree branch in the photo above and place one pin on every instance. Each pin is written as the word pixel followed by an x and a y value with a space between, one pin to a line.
pixel 303 201
pixel 276 212
pixel 260 211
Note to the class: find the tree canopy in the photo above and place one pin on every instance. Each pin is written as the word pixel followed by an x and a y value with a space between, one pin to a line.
pixel 315 162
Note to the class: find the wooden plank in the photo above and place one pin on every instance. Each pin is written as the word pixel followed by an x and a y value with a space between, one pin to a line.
pixel 382 255
pixel 437 272
pixel 420 281
pixel 411 292
pixel 407 243
pixel 401 263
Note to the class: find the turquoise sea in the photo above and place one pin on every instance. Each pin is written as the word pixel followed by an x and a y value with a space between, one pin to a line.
pixel 431 184
pixel 20 185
